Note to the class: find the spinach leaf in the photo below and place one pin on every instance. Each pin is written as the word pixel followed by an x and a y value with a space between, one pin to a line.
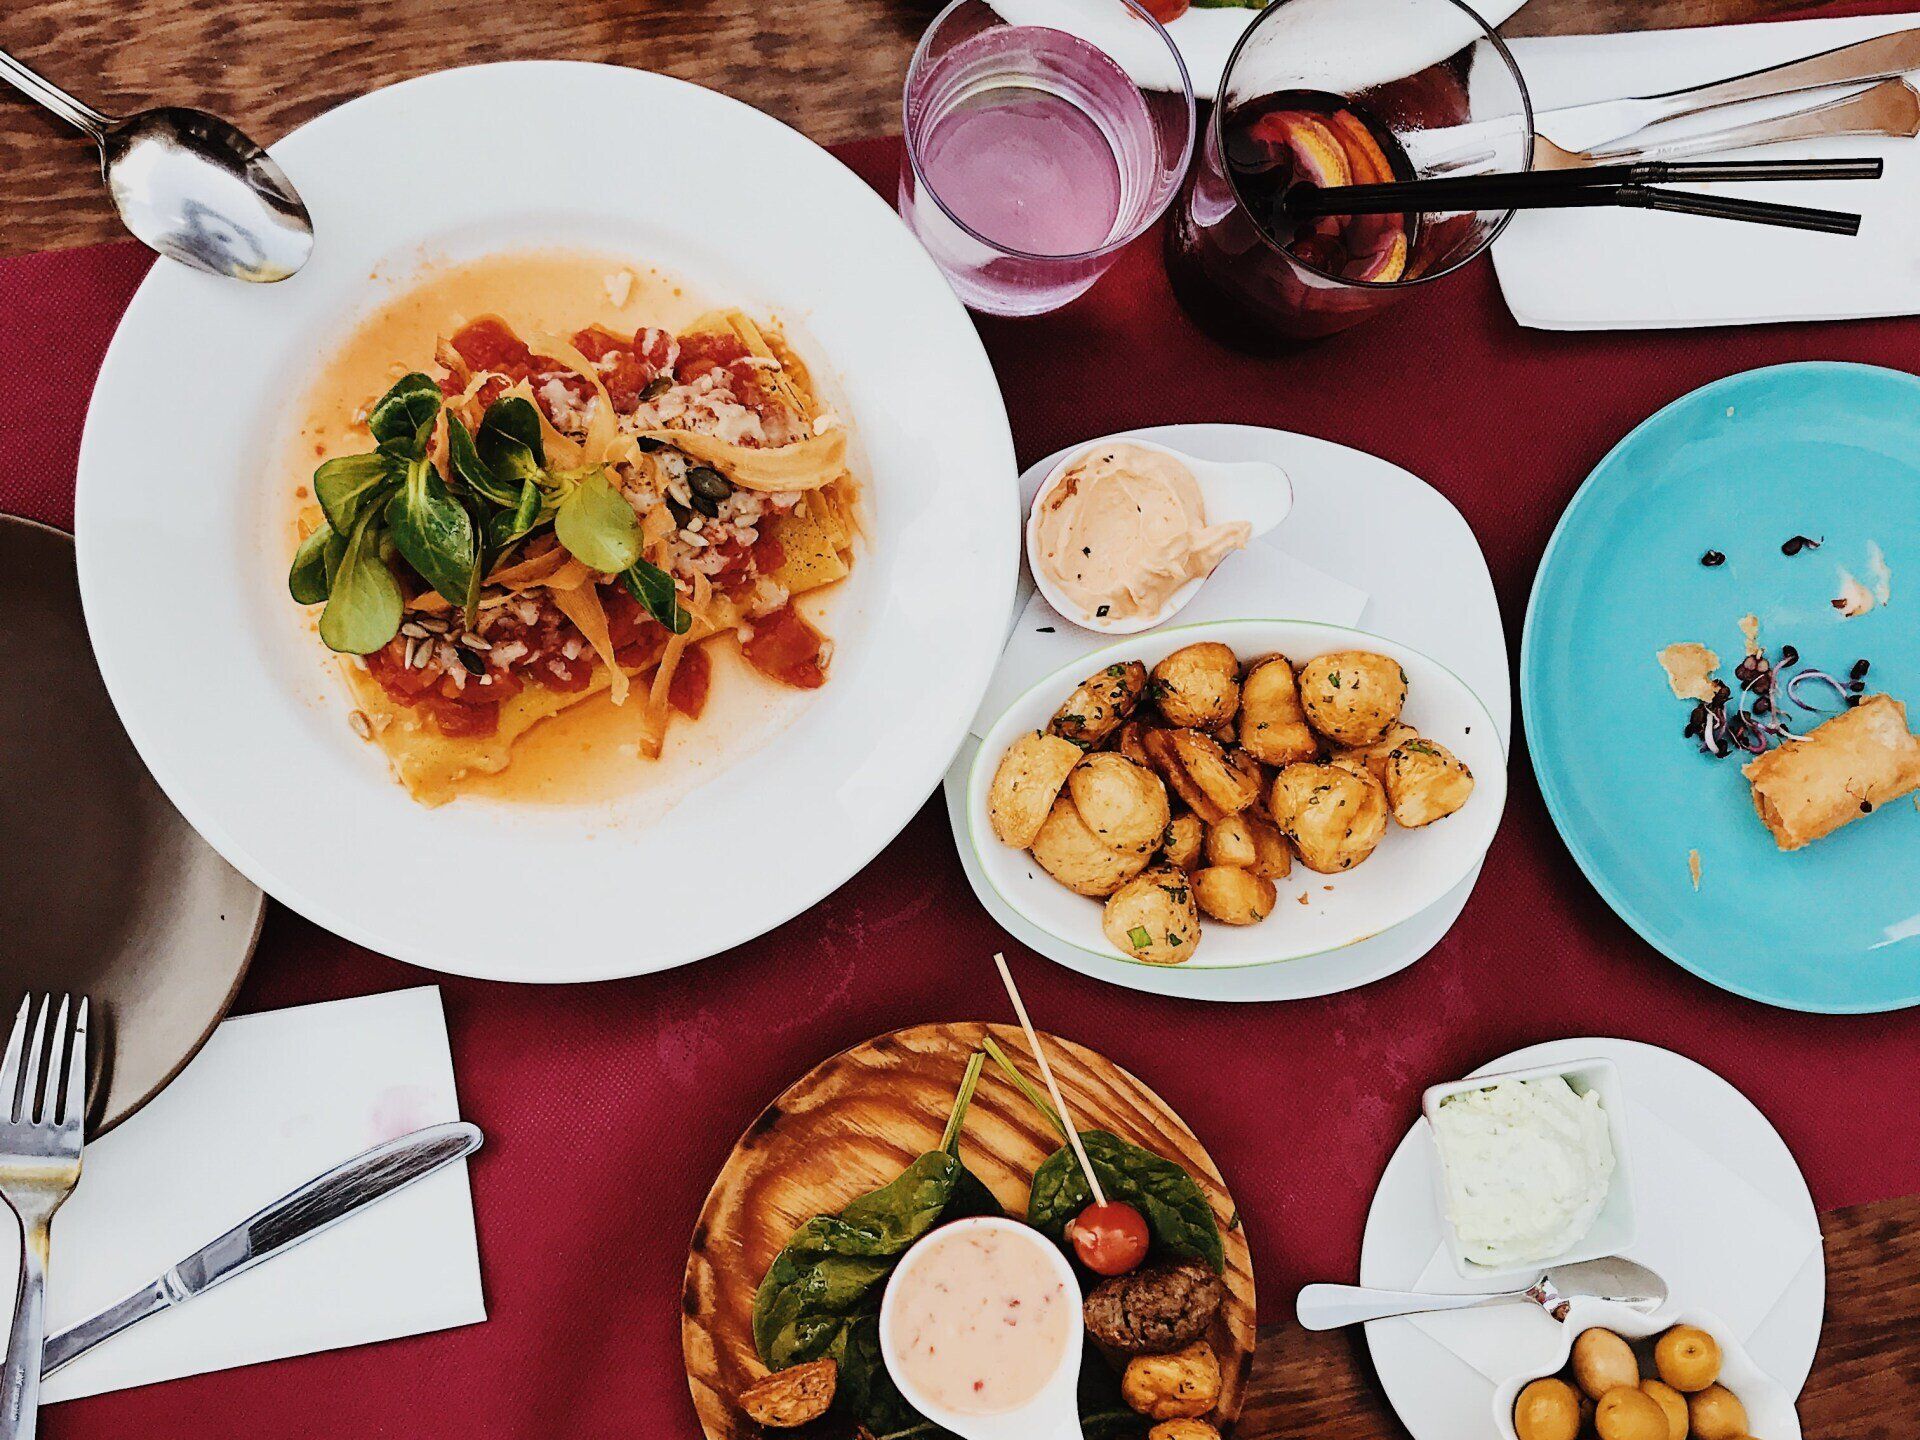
pixel 434 533
pixel 1177 1212
pixel 404 415
pixel 509 441
pixel 311 577
pixel 653 588
pixel 346 485
pixel 473 472
pixel 1104 1415
pixel 363 609
pixel 596 525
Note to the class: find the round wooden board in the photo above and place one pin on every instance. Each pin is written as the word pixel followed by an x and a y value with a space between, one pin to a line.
pixel 853 1123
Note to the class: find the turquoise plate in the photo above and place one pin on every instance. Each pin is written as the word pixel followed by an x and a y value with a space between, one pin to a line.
pixel 1825 450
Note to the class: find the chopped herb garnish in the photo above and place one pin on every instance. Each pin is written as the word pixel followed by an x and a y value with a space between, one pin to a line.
pixel 1139 937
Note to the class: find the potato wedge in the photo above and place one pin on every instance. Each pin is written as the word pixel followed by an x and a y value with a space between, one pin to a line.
pixel 1213 782
pixel 1273 726
pixel 790 1398
pixel 1025 784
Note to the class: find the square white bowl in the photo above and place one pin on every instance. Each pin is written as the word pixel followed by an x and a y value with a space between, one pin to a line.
pixel 1617 1225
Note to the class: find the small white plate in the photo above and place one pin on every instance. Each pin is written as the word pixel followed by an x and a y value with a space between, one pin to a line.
pixel 1386 531
pixel 1409 871
pixel 182 528
pixel 1437 1395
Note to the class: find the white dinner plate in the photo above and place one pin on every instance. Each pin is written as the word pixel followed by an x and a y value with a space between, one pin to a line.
pixel 1386 531
pixel 1439 1396
pixel 230 699
pixel 1316 914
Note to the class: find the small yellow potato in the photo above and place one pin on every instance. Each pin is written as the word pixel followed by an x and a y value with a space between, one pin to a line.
pixel 1067 850
pixel 1152 917
pixel 1374 756
pixel 1180 845
pixel 1099 703
pixel 1197 686
pixel 1602 1361
pixel 1715 1413
pixel 1688 1358
pixel 1234 896
pixel 1351 696
pixel 1025 784
pixel 1183 1385
pixel 1425 782
pixel 1231 842
pixel 1547 1410
pixel 1335 816
pixel 788 1399
pixel 1628 1413
pixel 1273 727
pixel 1123 804
pixel 1672 1404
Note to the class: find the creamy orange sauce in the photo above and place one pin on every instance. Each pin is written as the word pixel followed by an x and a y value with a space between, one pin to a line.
pixel 587 753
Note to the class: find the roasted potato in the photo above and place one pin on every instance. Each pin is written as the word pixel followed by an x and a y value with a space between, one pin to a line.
pixel 1251 843
pixel 1234 896
pixel 1180 846
pixel 1025 784
pixel 1214 783
pixel 1130 740
pixel 1351 696
pixel 1078 858
pixel 1183 1385
pixel 1122 803
pixel 1152 917
pixel 1273 726
pixel 1425 782
pixel 1183 1430
pixel 1335 816
pixel 790 1398
pixel 1197 686
pixel 1374 757
pixel 1099 703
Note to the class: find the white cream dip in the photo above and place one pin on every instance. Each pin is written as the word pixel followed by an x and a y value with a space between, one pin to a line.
pixel 1527 1167
pixel 980 1319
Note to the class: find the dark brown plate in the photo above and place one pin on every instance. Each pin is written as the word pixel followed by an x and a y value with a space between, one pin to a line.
pixel 106 891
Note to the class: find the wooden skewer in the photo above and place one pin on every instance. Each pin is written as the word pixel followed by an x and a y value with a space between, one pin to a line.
pixel 1053 1086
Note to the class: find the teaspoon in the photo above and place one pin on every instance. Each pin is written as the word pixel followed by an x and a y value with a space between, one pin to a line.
pixel 189 185
pixel 1328 1307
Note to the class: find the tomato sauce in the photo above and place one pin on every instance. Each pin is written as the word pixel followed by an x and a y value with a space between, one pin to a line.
pixel 786 648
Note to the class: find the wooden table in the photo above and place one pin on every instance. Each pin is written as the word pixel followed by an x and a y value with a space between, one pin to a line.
pixel 833 68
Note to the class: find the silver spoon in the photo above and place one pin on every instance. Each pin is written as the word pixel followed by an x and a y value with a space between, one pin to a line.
pixel 189 185
pixel 1328 1307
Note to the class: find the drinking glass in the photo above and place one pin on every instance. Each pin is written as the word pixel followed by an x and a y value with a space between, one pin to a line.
pixel 1042 136
pixel 1340 92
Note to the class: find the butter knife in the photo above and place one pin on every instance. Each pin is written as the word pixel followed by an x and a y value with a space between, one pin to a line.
pixel 1585 127
pixel 317 1205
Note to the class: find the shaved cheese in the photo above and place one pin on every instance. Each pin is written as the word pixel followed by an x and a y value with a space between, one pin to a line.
pixel 804 465
pixel 602 433
pixel 582 606
pixel 653 724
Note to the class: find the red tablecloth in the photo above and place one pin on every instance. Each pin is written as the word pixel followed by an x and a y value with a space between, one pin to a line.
pixel 609 1107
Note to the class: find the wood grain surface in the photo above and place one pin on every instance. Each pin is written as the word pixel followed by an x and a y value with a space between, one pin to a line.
pixel 833 68
pixel 854 1123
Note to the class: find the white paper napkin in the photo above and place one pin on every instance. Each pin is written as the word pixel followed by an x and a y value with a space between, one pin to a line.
pixel 273 1100
pixel 1262 581
pixel 1719 1243
pixel 1607 269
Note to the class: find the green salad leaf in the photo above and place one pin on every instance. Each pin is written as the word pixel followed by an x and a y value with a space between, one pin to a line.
pixel 509 441
pixel 347 485
pixel 434 533
pixel 653 588
pixel 364 603
pixel 404 416
pixel 596 524
pixel 314 563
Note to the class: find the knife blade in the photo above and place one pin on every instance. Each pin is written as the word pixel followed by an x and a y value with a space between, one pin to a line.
pixel 1584 127
pixel 318 1205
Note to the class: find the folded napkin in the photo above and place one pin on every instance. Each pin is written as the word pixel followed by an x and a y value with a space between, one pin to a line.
pixel 1720 1244
pixel 272 1101
pixel 1263 582
pixel 1608 269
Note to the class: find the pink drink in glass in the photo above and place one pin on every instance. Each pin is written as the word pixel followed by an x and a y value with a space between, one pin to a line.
pixel 1033 155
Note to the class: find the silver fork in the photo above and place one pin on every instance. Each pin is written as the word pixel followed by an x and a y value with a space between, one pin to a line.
pixel 40 1124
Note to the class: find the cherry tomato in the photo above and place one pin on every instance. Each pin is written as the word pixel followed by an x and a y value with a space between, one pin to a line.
pixel 1166 11
pixel 1110 1239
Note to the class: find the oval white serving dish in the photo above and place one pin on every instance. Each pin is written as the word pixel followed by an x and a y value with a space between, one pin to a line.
pixel 1316 913
pixel 1770 1411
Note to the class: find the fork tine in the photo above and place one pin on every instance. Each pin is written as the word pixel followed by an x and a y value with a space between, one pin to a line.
pixel 73 1104
pixel 10 1068
pixel 31 1104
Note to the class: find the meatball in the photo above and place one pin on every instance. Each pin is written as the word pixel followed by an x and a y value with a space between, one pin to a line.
pixel 1152 918
pixel 1156 1308
pixel 1198 686
pixel 1352 696
pixel 1099 703
pixel 1425 782
pixel 1077 858
pixel 1334 815
pixel 1273 726
pixel 1184 1385
pixel 1123 804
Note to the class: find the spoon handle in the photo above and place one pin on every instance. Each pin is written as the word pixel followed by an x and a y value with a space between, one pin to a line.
pixel 81 117
pixel 1328 1307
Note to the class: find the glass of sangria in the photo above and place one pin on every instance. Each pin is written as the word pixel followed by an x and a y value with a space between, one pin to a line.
pixel 1042 136
pixel 1341 92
